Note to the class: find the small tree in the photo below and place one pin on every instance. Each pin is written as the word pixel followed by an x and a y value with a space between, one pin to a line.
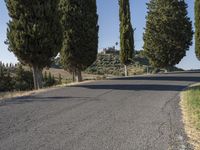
pixel 23 79
pixel 34 33
pixel 168 32
pixel 197 28
pixel 49 78
pixel 45 76
pixel 1 72
pixel 80 28
pixel 53 81
pixel 60 79
pixel 6 81
pixel 126 34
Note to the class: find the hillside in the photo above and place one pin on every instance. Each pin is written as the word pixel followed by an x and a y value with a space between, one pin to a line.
pixel 109 64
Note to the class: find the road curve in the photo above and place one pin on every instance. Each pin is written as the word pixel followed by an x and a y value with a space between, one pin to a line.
pixel 136 113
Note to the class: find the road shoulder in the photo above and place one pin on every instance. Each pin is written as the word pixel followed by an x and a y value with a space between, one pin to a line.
pixel 190 105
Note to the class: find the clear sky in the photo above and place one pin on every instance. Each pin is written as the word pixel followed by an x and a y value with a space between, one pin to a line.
pixel 109 28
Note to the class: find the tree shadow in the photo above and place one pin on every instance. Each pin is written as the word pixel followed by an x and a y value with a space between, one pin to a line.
pixel 163 78
pixel 135 87
pixel 31 99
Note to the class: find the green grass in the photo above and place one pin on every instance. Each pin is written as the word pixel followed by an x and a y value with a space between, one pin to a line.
pixel 191 114
pixel 192 98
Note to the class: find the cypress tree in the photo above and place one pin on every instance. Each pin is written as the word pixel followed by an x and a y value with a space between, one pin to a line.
pixel 1 72
pixel 49 77
pixel 197 28
pixel 45 76
pixel 53 80
pixel 126 34
pixel 168 32
pixel 23 79
pixel 80 28
pixel 34 33
pixel 60 79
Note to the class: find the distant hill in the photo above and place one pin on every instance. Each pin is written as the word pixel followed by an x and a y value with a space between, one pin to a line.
pixel 109 64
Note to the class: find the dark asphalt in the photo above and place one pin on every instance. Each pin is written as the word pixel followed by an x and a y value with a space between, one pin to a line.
pixel 136 113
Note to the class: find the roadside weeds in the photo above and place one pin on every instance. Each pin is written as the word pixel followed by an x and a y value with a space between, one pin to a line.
pixel 17 94
pixel 190 105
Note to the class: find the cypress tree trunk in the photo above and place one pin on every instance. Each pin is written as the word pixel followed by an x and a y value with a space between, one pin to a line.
pixel 73 76
pixel 39 81
pixel 125 71
pixel 37 77
pixel 78 75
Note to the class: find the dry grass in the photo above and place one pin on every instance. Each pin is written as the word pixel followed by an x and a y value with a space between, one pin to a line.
pixel 8 95
pixel 66 79
pixel 190 105
pixel 67 76
pixel 136 70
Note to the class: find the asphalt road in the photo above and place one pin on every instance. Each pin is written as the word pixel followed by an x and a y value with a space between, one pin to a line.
pixel 136 113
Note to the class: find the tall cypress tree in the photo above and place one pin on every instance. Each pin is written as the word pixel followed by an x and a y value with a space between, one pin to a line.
pixel 168 32
pixel 34 33
pixel 126 33
pixel 197 28
pixel 80 28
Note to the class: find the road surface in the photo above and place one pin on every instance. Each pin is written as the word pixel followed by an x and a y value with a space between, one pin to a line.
pixel 136 113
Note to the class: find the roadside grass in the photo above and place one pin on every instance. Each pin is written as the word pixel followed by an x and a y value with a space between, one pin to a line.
pixel 10 94
pixel 190 104
pixel 66 76
pixel 66 83
pixel 14 94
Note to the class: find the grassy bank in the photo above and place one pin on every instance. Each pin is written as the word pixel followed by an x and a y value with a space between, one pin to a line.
pixel 14 94
pixel 191 113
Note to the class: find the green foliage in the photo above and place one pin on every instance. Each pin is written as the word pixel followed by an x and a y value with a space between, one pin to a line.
pixel 168 32
pixel 17 80
pixel 126 32
pixel 80 28
pixel 45 76
pixel 23 80
pixel 6 82
pixel 34 31
pixel 110 64
pixel 60 79
pixel 192 103
pixel 197 28
pixel 48 80
pixel 56 63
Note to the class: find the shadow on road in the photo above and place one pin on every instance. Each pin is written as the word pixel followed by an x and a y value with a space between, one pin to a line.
pixel 141 87
pixel 164 78
pixel 120 85
pixel 30 99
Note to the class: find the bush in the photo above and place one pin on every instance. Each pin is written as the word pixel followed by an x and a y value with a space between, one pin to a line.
pixel 48 81
pixel 23 80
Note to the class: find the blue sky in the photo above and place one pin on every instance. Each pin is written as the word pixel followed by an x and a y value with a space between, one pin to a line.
pixel 109 28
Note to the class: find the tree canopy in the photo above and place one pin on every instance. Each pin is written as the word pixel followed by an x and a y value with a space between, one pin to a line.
pixel 168 32
pixel 197 28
